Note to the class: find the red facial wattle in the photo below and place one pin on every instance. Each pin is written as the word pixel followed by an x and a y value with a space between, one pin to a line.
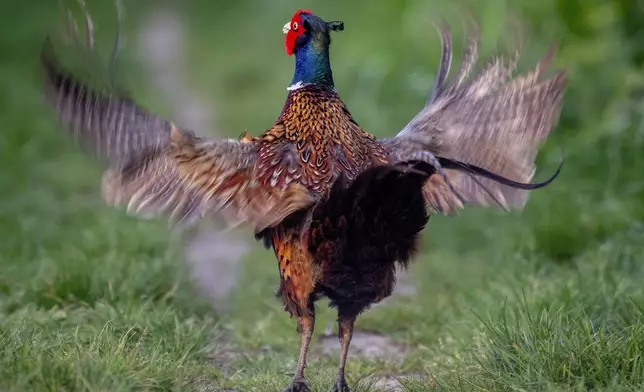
pixel 295 30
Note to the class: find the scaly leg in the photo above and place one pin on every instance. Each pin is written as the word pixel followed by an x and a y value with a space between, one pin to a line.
pixel 305 326
pixel 345 333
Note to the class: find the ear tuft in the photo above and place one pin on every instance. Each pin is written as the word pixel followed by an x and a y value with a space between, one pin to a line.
pixel 336 26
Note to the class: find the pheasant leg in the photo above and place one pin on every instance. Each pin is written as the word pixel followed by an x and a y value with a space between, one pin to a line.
pixel 305 326
pixel 345 333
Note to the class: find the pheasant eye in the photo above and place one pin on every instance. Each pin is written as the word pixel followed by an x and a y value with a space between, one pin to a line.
pixel 295 26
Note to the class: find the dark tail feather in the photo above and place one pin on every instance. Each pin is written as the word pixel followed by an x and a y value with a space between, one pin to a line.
pixel 446 163
pixel 476 174
pixel 472 169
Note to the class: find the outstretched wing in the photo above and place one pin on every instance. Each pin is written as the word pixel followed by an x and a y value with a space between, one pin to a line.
pixel 156 168
pixel 492 120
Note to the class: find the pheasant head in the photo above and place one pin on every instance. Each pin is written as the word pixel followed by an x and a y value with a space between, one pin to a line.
pixel 308 37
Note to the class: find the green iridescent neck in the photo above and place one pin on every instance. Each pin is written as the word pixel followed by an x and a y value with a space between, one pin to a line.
pixel 312 65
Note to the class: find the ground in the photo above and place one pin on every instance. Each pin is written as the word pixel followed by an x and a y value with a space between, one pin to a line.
pixel 547 299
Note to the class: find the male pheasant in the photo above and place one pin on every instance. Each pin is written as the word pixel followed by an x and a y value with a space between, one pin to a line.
pixel 339 207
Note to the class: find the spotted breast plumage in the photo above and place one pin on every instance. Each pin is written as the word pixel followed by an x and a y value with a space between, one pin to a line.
pixel 339 207
pixel 317 138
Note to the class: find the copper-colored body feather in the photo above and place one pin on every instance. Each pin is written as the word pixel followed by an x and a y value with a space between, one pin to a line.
pixel 339 207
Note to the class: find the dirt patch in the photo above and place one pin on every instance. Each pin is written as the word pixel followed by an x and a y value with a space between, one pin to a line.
pixel 366 344
pixel 395 382
pixel 224 353
pixel 214 255
pixel 375 346
pixel 389 384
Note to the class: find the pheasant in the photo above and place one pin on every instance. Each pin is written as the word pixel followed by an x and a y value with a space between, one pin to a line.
pixel 339 207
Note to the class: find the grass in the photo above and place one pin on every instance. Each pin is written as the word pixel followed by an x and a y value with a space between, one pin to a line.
pixel 548 300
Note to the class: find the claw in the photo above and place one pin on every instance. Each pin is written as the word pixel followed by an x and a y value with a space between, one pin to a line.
pixel 298 385
pixel 341 386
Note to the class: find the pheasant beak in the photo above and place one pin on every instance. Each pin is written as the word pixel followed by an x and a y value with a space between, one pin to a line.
pixel 286 28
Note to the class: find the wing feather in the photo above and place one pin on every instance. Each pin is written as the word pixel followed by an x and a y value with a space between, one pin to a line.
pixel 154 168
pixel 494 121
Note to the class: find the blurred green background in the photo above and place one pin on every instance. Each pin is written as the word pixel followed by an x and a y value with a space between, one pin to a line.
pixel 547 299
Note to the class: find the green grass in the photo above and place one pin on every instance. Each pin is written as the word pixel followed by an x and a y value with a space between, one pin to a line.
pixel 550 299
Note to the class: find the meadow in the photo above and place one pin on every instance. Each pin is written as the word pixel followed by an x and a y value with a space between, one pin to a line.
pixel 548 299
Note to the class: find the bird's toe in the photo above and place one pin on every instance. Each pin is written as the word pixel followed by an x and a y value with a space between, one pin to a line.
pixel 341 386
pixel 298 385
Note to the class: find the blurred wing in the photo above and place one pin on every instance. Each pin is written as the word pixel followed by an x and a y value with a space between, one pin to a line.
pixel 155 168
pixel 491 120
